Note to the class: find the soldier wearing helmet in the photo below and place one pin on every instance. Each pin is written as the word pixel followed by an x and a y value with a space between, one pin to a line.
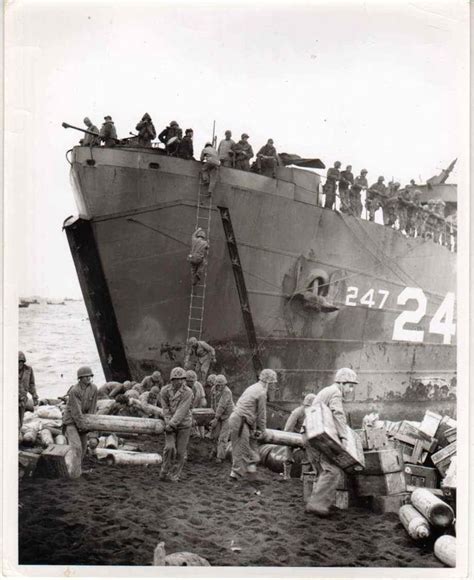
pixel 375 197
pixel 223 405
pixel 203 354
pixel 153 380
pixel 199 396
pixel 242 152
pixel 248 422
pixel 329 189
pixel 26 384
pixel 294 424
pixel 208 386
pixel 82 400
pixel 355 201
pixel 171 137
pixel 390 207
pixel 324 489
pixel 198 256
pixel 176 402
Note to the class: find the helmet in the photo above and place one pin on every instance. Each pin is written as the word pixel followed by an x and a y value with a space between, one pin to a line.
pixel 308 400
pixel 84 372
pixel 221 380
pixel 268 376
pixel 346 376
pixel 200 233
pixel 364 171
pixel 244 136
pixel 155 390
pixel 132 394
pixel 127 385
pixel 21 356
pixel 174 124
pixel 381 178
pixel 156 375
pixel 191 375
pixel 338 163
pixel 211 379
pixel 192 340
pixel 178 373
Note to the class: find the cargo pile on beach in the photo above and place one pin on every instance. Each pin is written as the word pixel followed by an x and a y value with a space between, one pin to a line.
pixel 403 468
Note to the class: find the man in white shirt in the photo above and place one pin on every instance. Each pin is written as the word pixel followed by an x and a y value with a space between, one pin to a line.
pixel 225 150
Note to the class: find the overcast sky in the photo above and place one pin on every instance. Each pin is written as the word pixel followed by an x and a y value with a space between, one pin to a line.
pixel 373 84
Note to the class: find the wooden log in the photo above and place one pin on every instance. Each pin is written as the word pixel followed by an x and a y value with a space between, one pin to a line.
pixel 445 550
pixel 321 434
pixel 414 523
pixel 121 457
pixel 387 484
pixel 278 437
pixel 384 504
pixel 152 410
pixel 49 412
pixel 421 476
pixel 383 461
pixel 112 441
pixel 117 424
pixel 435 510
pixel 27 463
pixel 46 437
pixel 60 461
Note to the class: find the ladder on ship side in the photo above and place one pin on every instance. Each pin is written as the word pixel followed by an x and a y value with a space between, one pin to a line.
pixel 198 291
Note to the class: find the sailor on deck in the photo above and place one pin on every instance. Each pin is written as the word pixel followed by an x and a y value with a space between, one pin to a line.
pixel 186 147
pixel 226 155
pixel 355 201
pixel 146 131
pixel 346 180
pixel 329 188
pixel 324 489
pixel 243 153
pixel 82 401
pixel 375 197
pixel 108 133
pixel 171 137
pixel 89 140
pixel 267 159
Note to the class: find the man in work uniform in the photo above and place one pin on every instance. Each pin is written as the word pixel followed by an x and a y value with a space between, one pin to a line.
pixel 223 405
pixel 26 384
pixel 293 424
pixel 405 200
pixel 210 167
pixel 82 401
pixel 108 133
pixel 146 131
pixel 106 389
pixel 243 152
pixel 226 155
pixel 186 147
pixel 440 228
pixel 375 197
pixel 198 256
pixel 89 140
pixel 346 180
pixel 329 188
pixel 153 380
pixel 431 219
pixel 413 210
pixel 171 137
pixel 247 423
pixel 205 355
pixel 199 396
pixel 324 489
pixel 267 159
pixel 208 386
pixel 176 402
pixel 355 201
pixel 390 208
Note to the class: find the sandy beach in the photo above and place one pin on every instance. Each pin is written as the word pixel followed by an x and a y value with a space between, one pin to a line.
pixel 117 515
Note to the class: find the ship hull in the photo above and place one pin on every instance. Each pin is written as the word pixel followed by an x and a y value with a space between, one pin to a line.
pixel 140 211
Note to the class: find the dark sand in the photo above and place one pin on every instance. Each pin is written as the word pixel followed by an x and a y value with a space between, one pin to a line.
pixel 117 515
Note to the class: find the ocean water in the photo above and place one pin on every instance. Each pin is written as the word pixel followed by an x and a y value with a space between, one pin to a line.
pixel 57 340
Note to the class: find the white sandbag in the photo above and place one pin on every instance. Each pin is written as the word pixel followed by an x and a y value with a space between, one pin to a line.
pixel 49 412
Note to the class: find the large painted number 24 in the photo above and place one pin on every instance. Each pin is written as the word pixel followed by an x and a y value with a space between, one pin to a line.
pixel 441 323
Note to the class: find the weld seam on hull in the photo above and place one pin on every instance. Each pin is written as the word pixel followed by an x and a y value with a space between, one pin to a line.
pixel 355 341
pixel 372 371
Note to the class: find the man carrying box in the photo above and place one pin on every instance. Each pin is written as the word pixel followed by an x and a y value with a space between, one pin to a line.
pixel 328 474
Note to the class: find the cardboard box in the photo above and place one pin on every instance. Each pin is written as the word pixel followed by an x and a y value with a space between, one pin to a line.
pixel 383 461
pixel 383 504
pixel 320 433
pixel 420 476
pixel 387 484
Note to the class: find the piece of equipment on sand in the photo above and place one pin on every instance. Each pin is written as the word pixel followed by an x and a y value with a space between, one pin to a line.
pixel 120 457
pixel 435 510
pixel 414 523
pixel 445 550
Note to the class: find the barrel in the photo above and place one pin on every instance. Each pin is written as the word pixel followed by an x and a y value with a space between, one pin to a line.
pixel 273 456
pixel 445 550
pixel 414 523
pixel 435 510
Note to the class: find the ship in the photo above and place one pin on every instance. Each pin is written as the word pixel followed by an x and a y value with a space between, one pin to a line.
pixel 276 259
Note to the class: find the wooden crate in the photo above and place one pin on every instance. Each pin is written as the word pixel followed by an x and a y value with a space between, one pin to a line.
pixel 383 461
pixel 376 437
pixel 430 423
pixel 321 434
pixel 420 476
pixel 383 504
pixel 442 458
pixel 387 484
pixel 27 463
pixel 60 461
